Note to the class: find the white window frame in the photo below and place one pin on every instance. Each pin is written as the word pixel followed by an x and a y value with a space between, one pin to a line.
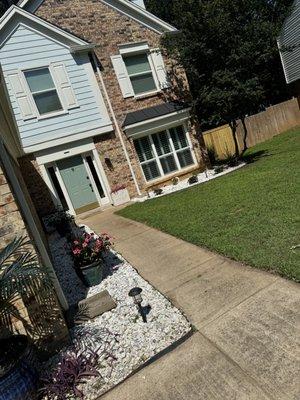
pixel 173 152
pixel 47 115
pixel 152 70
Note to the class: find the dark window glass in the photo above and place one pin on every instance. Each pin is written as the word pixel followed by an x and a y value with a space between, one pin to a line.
pixel 58 188
pixel 95 176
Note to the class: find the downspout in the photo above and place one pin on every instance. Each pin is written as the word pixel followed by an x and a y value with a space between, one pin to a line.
pixel 118 129
pixel 31 223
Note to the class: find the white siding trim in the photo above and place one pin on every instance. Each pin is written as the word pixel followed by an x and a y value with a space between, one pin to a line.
pixel 67 139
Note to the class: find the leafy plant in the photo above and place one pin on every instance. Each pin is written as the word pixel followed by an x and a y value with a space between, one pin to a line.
pixel 61 220
pixel 218 169
pixel 212 155
pixel 117 188
pixel 193 179
pixel 19 270
pixel 157 191
pixel 76 366
pixel 89 248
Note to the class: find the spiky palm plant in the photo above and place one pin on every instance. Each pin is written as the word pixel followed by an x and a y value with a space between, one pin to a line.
pixel 19 273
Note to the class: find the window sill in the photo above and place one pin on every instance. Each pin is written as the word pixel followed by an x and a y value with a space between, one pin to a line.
pixel 163 179
pixel 52 115
pixel 146 95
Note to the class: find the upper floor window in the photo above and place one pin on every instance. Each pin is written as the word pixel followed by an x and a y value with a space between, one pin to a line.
pixel 43 90
pixel 140 73
pixel 140 70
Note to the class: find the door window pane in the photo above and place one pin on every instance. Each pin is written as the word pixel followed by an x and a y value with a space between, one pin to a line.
pixel 95 176
pixel 143 83
pixel 47 102
pixel 58 188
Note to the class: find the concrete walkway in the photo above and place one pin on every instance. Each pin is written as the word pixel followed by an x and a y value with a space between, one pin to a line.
pixel 247 343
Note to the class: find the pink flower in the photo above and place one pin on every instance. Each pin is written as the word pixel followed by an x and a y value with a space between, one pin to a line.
pixel 76 242
pixel 76 251
pixel 84 244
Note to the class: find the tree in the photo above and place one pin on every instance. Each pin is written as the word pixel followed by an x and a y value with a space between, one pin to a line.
pixel 229 51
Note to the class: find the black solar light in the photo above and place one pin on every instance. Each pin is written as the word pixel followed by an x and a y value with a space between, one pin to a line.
pixel 135 293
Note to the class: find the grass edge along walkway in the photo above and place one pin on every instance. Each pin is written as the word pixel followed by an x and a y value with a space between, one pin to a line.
pixel 250 215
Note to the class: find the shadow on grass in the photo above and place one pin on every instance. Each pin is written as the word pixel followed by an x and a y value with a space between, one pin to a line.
pixel 255 156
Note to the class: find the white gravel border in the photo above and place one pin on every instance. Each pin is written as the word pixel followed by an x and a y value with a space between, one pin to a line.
pixel 131 341
pixel 183 184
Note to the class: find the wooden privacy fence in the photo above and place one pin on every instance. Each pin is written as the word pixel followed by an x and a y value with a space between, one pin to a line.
pixel 263 126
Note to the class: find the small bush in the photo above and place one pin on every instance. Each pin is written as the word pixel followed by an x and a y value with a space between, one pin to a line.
pixel 218 169
pixel 175 181
pixel 193 179
pixel 212 155
pixel 157 191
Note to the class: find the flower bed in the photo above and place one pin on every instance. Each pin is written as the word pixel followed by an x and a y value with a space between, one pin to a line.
pixel 128 341
pixel 184 184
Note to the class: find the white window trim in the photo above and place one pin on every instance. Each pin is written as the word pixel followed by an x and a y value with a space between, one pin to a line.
pixel 147 52
pixel 39 116
pixel 174 152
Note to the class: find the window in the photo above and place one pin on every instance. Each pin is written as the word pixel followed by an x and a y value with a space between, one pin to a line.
pixel 140 73
pixel 43 90
pixel 164 152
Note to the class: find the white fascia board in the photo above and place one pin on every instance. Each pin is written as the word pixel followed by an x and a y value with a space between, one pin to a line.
pixel 67 139
pixel 153 125
pixel 126 7
pixel 14 10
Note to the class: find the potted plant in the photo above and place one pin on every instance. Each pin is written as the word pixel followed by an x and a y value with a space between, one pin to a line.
pixel 62 221
pixel 88 251
pixel 18 270
pixel 119 195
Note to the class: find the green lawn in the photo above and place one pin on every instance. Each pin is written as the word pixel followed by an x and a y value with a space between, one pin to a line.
pixel 250 215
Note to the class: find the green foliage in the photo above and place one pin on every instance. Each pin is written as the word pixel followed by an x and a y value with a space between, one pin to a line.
pixel 229 51
pixel 19 271
pixel 249 215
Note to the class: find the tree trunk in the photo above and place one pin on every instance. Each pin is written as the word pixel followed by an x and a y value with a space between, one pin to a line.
pixel 233 126
pixel 245 135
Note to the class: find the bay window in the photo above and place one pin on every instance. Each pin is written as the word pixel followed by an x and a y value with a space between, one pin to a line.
pixel 164 153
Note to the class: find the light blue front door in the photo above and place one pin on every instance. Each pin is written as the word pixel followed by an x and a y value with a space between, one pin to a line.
pixel 77 183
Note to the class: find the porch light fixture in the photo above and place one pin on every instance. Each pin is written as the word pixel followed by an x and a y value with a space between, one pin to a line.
pixel 135 293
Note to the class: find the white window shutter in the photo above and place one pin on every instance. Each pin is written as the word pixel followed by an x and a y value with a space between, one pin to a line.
pixel 63 84
pixel 122 75
pixel 160 68
pixel 19 89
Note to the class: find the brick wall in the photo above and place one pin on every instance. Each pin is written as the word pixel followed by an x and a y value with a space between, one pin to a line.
pixel 39 308
pixel 98 23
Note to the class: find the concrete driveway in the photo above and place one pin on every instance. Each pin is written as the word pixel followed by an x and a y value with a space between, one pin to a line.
pixel 247 340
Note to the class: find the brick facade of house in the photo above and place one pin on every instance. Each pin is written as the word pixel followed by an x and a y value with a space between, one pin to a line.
pixel 98 23
pixel 40 310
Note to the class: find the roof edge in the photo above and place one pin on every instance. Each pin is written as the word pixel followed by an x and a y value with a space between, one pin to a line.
pixel 13 10
pixel 127 4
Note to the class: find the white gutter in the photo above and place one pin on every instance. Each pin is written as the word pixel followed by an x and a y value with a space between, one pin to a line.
pixel 32 225
pixel 118 129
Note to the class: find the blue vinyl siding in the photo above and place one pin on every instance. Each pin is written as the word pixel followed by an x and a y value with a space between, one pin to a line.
pixel 27 48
